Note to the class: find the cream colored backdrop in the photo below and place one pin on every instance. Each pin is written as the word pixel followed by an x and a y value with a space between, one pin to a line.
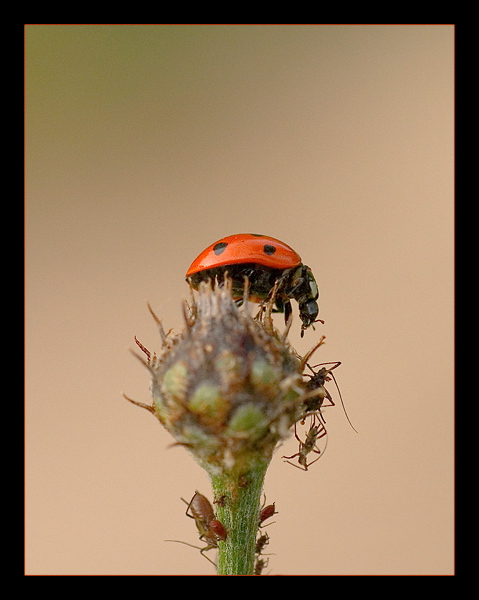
pixel 147 143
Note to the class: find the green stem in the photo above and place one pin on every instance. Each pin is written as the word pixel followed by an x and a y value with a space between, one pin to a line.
pixel 238 502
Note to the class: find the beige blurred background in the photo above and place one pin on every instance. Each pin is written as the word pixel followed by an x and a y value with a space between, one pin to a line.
pixel 147 143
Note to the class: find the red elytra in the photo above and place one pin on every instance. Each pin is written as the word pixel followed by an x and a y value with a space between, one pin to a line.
pixel 245 248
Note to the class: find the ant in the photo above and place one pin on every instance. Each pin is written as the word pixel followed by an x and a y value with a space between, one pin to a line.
pixel 315 433
pixel 210 529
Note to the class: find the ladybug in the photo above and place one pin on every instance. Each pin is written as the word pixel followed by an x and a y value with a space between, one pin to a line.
pixel 264 260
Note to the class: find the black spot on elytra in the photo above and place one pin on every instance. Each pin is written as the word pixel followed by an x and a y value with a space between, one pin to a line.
pixel 268 249
pixel 219 248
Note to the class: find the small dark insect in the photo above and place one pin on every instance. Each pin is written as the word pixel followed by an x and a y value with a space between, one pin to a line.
pixel 316 384
pixel 266 513
pixel 217 530
pixel 261 542
pixel 220 501
pixel 210 529
pixel 243 481
pixel 259 566
pixel 315 433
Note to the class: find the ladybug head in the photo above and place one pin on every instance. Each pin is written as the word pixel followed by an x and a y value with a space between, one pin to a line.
pixel 306 293
pixel 308 313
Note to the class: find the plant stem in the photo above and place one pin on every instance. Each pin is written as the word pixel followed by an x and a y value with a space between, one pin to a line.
pixel 238 501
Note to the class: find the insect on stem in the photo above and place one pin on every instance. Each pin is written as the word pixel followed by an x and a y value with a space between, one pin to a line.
pixel 315 433
pixel 210 529
pixel 319 378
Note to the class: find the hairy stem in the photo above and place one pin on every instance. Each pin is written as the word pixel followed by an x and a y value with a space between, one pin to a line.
pixel 238 501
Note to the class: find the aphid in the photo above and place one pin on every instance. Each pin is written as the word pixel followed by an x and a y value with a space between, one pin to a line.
pixel 220 501
pixel 243 481
pixel 317 392
pixel 266 513
pixel 216 529
pixel 201 509
pixel 259 566
pixel 261 542
pixel 210 529
pixel 316 384
pixel 315 433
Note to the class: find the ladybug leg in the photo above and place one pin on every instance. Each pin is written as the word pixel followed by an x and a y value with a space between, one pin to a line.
pixel 299 284
pixel 279 306
pixel 283 307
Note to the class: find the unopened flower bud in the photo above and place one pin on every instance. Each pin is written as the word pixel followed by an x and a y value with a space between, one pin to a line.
pixel 227 387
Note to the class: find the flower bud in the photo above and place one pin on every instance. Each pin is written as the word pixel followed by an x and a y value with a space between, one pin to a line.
pixel 228 387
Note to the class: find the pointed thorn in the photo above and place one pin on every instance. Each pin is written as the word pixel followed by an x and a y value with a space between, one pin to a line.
pixel 158 322
pixel 310 353
pixel 140 404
